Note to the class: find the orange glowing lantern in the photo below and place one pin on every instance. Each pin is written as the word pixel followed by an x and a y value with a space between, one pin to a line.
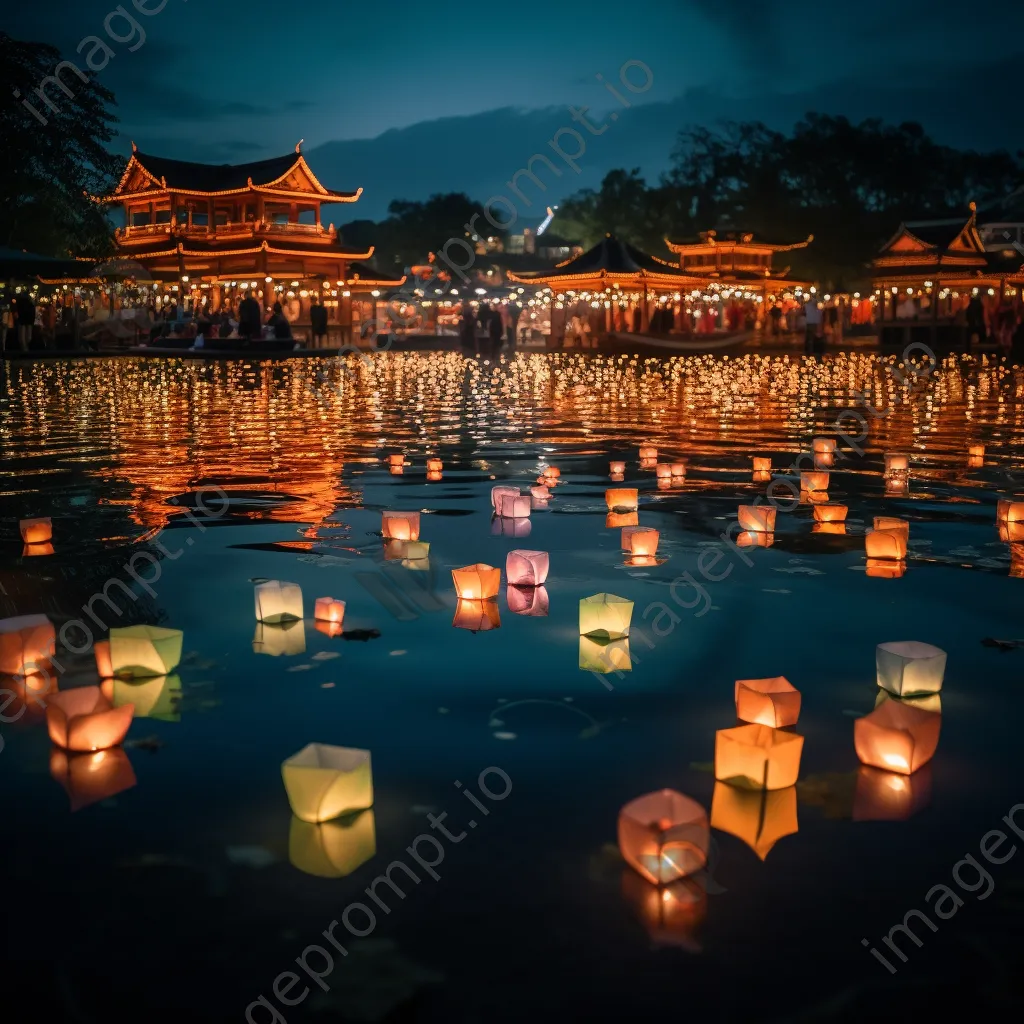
pixel 890 796
pixel 530 601
pixel 648 452
pixel 1009 511
pixel 329 610
pixel 36 531
pixel 823 446
pixel 663 471
pixel 757 518
pixel 396 460
pixel 401 525
pixel 757 757
pixel 897 464
pixel 678 468
pixel 540 493
pixel 640 540
pixel 897 737
pixel 762 464
pixel 830 512
pixel 36 550
pixel 622 499
pixel 616 467
pixel 616 478
pixel 434 476
pixel 499 491
pixel 813 482
pixel 396 470
pixel 754 539
pixel 886 569
pixel 893 525
pixel 552 472
pixel 976 451
pixel 477 616
pixel 824 460
pixel 104 664
pixel 773 702
pixel 761 476
pixel 434 465
pixel 84 719
pixel 909 668
pixel 527 568
pixel 830 528
pixel 331 629
pixel 476 582
pixel 664 836
pixel 89 778
pixel 26 643
pixel 760 819
pixel 671 914
pixel 885 544
pixel 1011 533
pixel 30 695
pixel 616 520
pixel 517 506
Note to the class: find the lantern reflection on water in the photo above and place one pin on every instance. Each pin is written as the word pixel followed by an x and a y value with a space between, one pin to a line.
pixel 604 656
pixel 754 539
pixel 104 666
pixel 885 569
pixel 605 615
pixel 89 778
pixel 278 602
pixel 759 818
pixel 503 526
pixel 640 540
pixel 830 512
pixel 830 528
pixel 158 697
pixel 927 702
pixel 757 757
pixel 664 836
pixel 908 668
pixel 434 465
pixel 324 782
pixel 671 914
pixel 757 518
pixel 476 616
pixel 885 544
pixel 824 460
pixel 616 520
pixel 896 737
pixel 892 524
pixel 527 600
pixel 434 476
pixel 678 468
pixel 36 531
pixel 26 643
pixel 83 719
pixel 476 582
pixel 514 506
pixel 527 568
pixel 140 652
pixel 284 639
pixel 622 499
pixel 540 493
pixel 30 694
pixel 327 609
pixel 890 796
pixel 774 702
pixel 37 550
pixel 332 849
pixel 761 476
pixel 396 460
pixel 1009 511
pixel 400 525
pixel 616 478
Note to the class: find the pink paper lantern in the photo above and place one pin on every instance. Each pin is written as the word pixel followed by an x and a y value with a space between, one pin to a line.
pixel 527 568
pixel 514 506
pixel 497 492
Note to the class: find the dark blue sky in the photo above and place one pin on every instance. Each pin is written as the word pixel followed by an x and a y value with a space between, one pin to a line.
pixel 409 98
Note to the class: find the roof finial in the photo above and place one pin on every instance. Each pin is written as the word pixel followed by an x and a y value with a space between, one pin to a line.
pixel 973 206
pixel 135 148
pixel 298 145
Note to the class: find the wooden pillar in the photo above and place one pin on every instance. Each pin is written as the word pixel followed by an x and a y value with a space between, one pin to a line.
pixel 645 316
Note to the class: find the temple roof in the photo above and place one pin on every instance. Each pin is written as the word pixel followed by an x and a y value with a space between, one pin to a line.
pixel 363 273
pixel 734 237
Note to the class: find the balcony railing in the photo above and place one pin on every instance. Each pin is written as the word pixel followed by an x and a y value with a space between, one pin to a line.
pixel 270 228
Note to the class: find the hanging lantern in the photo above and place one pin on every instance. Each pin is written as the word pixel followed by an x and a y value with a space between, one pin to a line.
pixel 678 469
pixel 896 464
pixel 823 446
pixel 84 720
pixel 648 452
pixel 90 778
pixel 909 668
pixel 830 512
pixel 284 639
pixel 757 518
pixel 26 644
pixel 158 697
pixel 278 602
pixel 896 737
pixel 759 818
pixel 434 465
pixel 104 666
pixel 663 471
pixel 476 616
pixel 757 757
pixel 324 782
pixel 502 489
pixel 526 568
pixel 477 582
pixel 604 656
pixel 762 464
pixel 616 468
pixel 530 601
pixel 890 796
pixel 332 849
pixel 754 539
pixel 885 544
pixel 36 531
pixel 616 520
pixel 773 702
pixel 140 652
pixel 622 499
pixel 401 525
pixel 664 836
pixel 605 615
pixel 396 460
pixel 516 506
pixel 327 609
pixel 813 482
pixel 640 540
pixel 885 569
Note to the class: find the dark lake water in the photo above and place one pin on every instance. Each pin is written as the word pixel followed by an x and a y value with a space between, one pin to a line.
pixel 185 888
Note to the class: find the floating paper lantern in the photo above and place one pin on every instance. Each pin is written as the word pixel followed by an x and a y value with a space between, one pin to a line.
pixel 678 468
pixel 896 737
pixel 1010 511
pixel 885 544
pixel 757 518
pixel 908 667
pixel 640 540
pixel 622 498
pixel 604 656
pixel 773 702
pixel 531 601
pixel 434 476
pixel 976 451
pixel 90 778
pixel 26 644
pixel 830 512
pixel 890 796
pixel 664 836
pixel 648 463
pixel 757 757
pixel 278 602
pixel 760 819
pixel 284 639
pixel 501 489
pixel 332 849
pixel 328 609
pixel 605 615
pixel 476 616
pixel 823 446
pixel 616 520
pixel 36 531
pixel 671 914
pixel 896 464
pixel 833 528
pixel 754 539
pixel 527 568
pixel 824 460
pixel 401 525
pixel 517 506
pixel 477 582
pixel 885 569
pixel 761 476
pixel 663 471
pixel 762 464
pixel 324 782
pixel 504 526
pixel 158 697
pixel 813 481
pixel 665 483
pixel 434 465
pixel 616 467
pixel 396 460
pixel 138 652
pixel 540 493
pixel 83 719
pixel 648 452
pixel 893 525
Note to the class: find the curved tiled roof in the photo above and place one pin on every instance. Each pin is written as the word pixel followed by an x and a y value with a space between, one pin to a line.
pixel 190 176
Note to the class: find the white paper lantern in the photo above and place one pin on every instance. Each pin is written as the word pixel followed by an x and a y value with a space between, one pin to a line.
pixel 908 667
pixel 278 602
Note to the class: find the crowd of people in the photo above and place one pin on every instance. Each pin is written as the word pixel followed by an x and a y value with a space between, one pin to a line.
pixel 485 329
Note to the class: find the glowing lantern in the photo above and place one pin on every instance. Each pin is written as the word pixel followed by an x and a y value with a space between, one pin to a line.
pixel 622 498
pixel 83 719
pixel 886 569
pixel 1010 511
pixel 332 849
pixel 157 697
pixel 476 616
pixel 890 796
pixel 830 512
pixel 605 615
pixel 762 464
pixel 616 478
pixel 672 914
pixel 648 463
pixel 604 656
pixel 664 483
pixel 89 778
pixel 501 489
pixel 664 471
pixel 664 836
pixel 761 476
pixel 396 470
pixel 897 486
pixel 616 520
pixel 36 550
pixel 104 666
pixel 532 601
pixel 396 460
pixel 648 452
pixel 824 460
pixel 813 481
pixel 331 629
pixel 26 643
pixel 477 582
pixel 757 757
pixel 434 465
pixel 283 639
pixel 760 818
pixel 757 518
pixel 908 667
pixel 36 531
pixel 823 446
pixel 773 702
pixel 527 568
pixel 401 525
pixel 896 464
pixel 754 539
pixel 616 467
pixel 434 476
pixel 516 506
pixel 139 652
pixel 552 472
pixel 278 602
pixel 885 544
pixel 504 526
pixel 678 468
pixel 30 695
pixel 640 540
pixel 976 451
pixel 324 782
pixel 540 493
pixel 329 610
pixel 893 525
pixel 896 737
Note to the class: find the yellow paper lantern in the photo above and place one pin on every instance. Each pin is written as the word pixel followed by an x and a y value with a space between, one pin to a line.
pixel 757 757
pixel 400 525
pixel 890 796
pixel 664 836
pixel 158 697
pixel 476 616
pixel 762 464
pixel 36 531
pixel 476 582
pixel 26 644
pixel 90 778
pixel 332 849
pixel 896 737
pixel 622 498
pixel 885 544
pixel 830 512
pixel 774 702
pixel 757 518
pixel 604 656
pixel 759 818
pixel 605 615
pixel 278 602
pixel 324 782
pixel 139 652
pixel 527 568
pixel 284 639
pixel 909 668
pixel 813 481
pixel 83 719
pixel 640 540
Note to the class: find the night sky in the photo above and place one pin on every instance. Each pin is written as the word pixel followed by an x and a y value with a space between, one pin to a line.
pixel 406 98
